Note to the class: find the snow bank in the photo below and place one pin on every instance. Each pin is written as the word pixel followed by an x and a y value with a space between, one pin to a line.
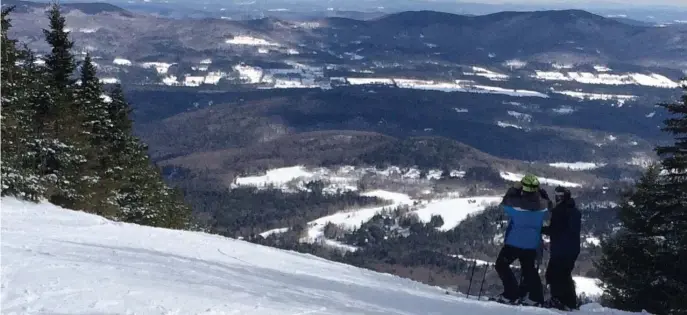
pixel 58 261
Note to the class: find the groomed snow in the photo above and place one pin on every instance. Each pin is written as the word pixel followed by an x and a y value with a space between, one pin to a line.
pixel 58 261
pixel 455 210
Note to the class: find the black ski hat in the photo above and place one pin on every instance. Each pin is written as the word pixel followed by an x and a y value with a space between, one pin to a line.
pixel 562 192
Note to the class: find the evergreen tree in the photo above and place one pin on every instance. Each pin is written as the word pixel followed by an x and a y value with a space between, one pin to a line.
pixel 143 196
pixel 644 265
pixel 18 177
pixel 64 142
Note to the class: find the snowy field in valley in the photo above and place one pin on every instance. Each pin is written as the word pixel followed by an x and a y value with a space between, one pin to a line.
pixel 514 177
pixel 453 209
pixel 577 166
pixel 57 261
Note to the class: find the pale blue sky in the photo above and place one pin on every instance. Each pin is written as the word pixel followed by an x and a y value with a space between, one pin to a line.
pixel 578 2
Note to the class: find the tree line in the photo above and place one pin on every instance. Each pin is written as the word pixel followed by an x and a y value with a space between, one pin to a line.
pixel 67 140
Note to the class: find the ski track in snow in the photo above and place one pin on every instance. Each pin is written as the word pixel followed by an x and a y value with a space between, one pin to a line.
pixel 57 261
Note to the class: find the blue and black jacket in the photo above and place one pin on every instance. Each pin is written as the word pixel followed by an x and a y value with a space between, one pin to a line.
pixel 526 212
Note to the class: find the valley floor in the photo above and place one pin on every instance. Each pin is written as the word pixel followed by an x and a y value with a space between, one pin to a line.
pixel 57 261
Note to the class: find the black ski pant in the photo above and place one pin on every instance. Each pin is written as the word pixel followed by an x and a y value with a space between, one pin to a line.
pixel 559 278
pixel 507 256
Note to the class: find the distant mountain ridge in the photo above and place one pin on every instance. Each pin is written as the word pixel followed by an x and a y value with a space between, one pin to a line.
pixel 548 36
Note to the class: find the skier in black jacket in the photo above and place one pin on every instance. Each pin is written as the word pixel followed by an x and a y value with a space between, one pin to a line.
pixel 564 232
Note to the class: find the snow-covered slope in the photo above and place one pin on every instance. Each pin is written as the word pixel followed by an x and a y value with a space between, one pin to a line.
pixel 57 261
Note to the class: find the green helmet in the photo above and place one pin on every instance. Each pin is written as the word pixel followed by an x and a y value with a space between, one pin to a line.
pixel 530 183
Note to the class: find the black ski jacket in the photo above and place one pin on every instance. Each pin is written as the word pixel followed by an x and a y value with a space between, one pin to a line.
pixel 564 230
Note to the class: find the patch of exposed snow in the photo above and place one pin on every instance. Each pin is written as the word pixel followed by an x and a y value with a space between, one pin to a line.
pixel 507 125
pixel 206 61
pixel 564 110
pixel 454 210
pixel 577 166
pixel 106 98
pixel 366 81
pixel 653 79
pixel 515 64
pixel 649 115
pixel 562 66
pixel 619 98
pixel 353 219
pixel 250 41
pixel 109 80
pixel 588 286
pixel 594 241
pixel 121 62
pixel 88 30
pixel 520 116
pixel 160 67
pixel 170 80
pixel 600 68
pixel 516 177
pixel 275 177
pixel 491 75
pixel 190 80
pixel 251 75
pixel 460 110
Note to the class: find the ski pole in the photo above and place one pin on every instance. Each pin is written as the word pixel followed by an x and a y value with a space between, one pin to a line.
pixel 484 276
pixel 471 275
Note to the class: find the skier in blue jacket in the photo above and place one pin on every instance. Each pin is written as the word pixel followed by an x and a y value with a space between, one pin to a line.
pixel 526 210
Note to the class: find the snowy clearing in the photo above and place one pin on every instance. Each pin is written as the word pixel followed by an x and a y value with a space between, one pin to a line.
pixel 515 177
pixel 653 79
pixel 577 166
pixel 121 62
pixel 160 67
pixel 58 261
pixel 454 210
pixel 250 41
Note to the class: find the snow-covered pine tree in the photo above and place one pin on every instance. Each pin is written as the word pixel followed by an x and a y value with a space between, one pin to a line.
pixel 60 140
pixel 143 196
pixel 644 264
pixel 18 177
pixel 96 128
